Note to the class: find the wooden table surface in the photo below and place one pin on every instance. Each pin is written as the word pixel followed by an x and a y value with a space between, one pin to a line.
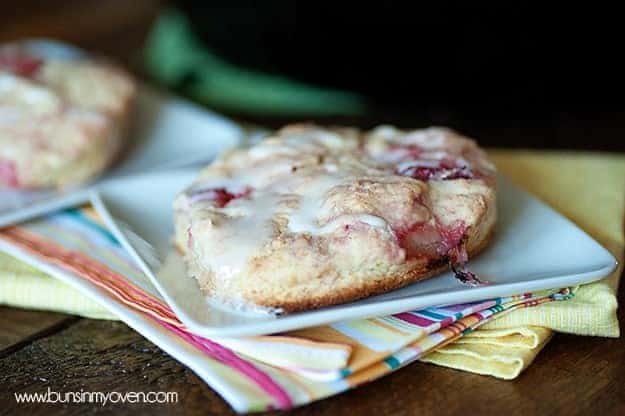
pixel 40 350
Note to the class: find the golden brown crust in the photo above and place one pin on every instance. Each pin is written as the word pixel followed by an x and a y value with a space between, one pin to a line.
pixel 374 287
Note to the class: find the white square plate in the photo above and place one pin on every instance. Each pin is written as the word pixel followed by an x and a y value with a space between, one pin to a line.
pixel 534 248
pixel 167 132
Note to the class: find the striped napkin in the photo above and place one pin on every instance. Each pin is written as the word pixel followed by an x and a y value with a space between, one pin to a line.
pixel 262 372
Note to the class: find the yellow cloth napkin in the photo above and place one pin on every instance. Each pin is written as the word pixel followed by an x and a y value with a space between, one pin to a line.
pixel 590 190
pixel 499 353
pixel 587 188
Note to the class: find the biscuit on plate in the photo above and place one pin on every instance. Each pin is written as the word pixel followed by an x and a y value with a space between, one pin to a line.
pixel 62 122
pixel 313 216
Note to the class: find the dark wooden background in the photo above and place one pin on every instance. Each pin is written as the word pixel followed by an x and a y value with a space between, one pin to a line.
pixel 573 375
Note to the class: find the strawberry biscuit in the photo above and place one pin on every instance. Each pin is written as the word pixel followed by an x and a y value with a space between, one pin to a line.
pixel 312 216
pixel 61 121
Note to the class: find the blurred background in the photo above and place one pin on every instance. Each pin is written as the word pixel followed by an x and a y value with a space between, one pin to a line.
pixel 511 76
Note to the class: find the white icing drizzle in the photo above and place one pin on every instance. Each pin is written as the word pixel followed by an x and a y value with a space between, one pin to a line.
pixel 324 138
pixel 347 219
pixel 24 94
pixel 248 225
pixel 268 149
pixel 435 155
pixel 385 131
pixel 431 138
pixel 304 218
pixel 241 235
pixel 420 163
pixel 242 307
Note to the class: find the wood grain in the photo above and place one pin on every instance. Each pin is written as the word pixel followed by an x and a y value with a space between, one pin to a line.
pixel 101 356
pixel 575 375
pixel 19 326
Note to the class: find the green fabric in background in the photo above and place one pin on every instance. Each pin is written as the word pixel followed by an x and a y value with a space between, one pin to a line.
pixel 175 57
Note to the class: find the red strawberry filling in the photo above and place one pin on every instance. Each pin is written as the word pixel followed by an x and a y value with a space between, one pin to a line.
pixel 428 240
pixel 8 174
pixel 420 240
pixel 415 162
pixel 220 196
pixel 426 170
pixel 440 244
pixel 452 244
pixel 23 65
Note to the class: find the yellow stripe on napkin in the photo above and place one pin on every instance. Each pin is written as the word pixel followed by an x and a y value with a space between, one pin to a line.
pixel 26 287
